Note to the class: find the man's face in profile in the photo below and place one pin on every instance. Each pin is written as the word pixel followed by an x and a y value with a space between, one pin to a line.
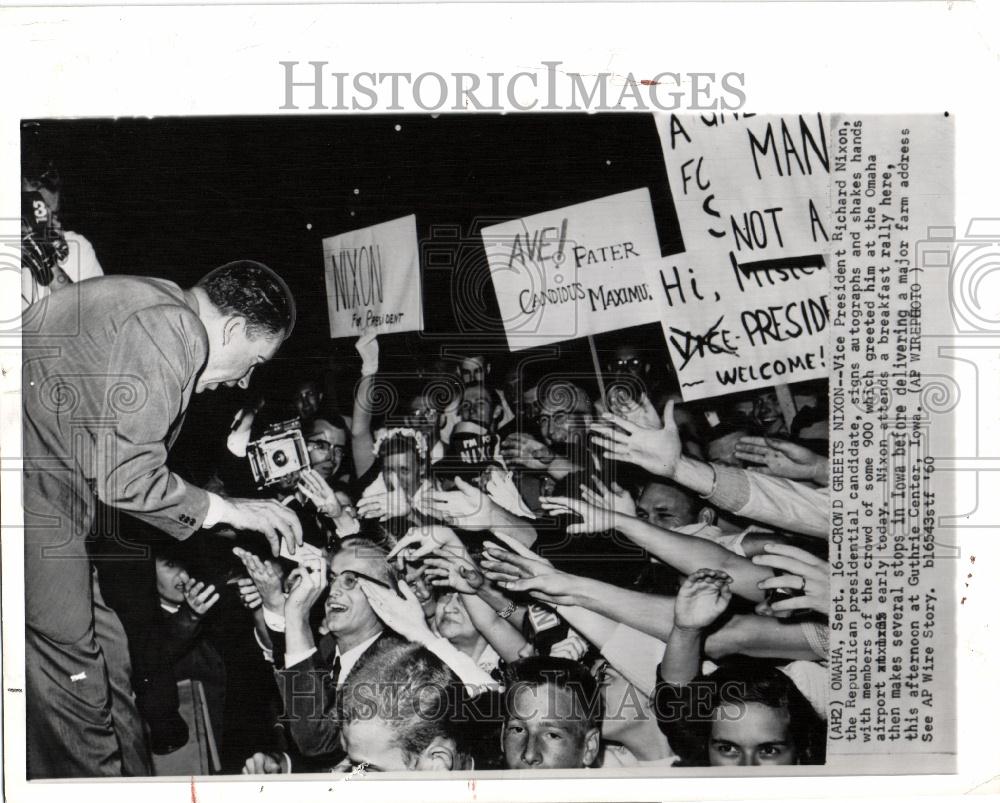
pixel 233 357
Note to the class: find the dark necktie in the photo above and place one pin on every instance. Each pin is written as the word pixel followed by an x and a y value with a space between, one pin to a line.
pixel 330 685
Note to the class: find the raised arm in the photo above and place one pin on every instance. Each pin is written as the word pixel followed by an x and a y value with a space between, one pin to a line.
pixel 447 569
pixel 777 501
pixel 701 599
pixel 686 553
pixel 405 615
pixel 649 613
pixel 471 509
pixel 362 443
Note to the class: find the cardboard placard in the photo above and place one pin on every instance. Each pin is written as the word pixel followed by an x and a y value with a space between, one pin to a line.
pixel 373 279
pixel 574 271
pixel 746 304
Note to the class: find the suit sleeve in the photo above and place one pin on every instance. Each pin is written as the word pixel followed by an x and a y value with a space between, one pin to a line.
pixel 155 357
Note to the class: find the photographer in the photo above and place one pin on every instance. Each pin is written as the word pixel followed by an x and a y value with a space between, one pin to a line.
pixel 51 257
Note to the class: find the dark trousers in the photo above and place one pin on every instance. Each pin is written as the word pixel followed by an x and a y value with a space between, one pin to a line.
pixel 81 715
pixel 82 719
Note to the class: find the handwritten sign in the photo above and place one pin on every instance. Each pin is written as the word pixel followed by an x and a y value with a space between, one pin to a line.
pixel 373 279
pixel 574 271
pixel 745 305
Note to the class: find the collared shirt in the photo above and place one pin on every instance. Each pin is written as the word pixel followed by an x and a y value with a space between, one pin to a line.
pixel 351 657
pixel 347 659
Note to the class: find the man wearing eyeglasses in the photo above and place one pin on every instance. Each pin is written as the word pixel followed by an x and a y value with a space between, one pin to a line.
pixel 309 671
pixel 327 445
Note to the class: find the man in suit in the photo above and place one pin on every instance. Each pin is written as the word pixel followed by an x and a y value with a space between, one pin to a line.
pixel 310 672
pixel 109 368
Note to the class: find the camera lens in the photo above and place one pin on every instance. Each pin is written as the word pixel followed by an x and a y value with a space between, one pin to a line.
pixel 279 458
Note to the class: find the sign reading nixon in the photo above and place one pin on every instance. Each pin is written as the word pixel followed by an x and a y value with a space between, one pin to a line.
pixel 574 271
pixel 373 279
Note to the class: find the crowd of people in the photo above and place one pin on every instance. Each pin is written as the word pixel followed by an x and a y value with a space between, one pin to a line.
pixel 504 570
pixel 482 562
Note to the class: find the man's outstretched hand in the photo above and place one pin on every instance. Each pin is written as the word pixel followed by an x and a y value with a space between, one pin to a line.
pixel 266 516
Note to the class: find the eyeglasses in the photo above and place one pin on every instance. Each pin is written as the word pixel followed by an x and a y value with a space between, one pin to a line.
pixel 474 406
pixel 631 362
pixel 317 445
pixel 348 580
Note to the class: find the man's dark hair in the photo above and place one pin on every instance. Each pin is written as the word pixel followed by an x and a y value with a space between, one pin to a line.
pixel 254 291
pixel 440 389
pixel 562 673
pixel 408 688
pixel 560 393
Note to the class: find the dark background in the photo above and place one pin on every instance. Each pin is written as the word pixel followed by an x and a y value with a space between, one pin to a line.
pixel 175 197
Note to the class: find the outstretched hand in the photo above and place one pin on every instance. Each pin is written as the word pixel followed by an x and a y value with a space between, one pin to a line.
pixel 445 570
pixel 782 458
pixel 524 571
pixel 702 598
pixel 616 499
pixel 367 348
pixel 390 504
pixel 274 520
pixel 403 614
pixel 266 576
pixel 249 595
pixel 640 412
pixel 593 519
pixel 520 449
pixel 305 587
pixel 314 488
pixel 467 507
pixel 422 541
pixel 199 597
pixel 803 572
pixel 656 450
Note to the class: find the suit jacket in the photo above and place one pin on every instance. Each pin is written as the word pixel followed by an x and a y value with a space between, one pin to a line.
pixel 109 368
pixel 309 693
